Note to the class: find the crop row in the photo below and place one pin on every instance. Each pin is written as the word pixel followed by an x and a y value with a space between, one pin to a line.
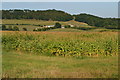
pixel 62 43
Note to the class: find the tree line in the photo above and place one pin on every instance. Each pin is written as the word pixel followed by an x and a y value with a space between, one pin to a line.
pixel 15 28
pixel 54 15
pixel 110 23
pixel 57 15
pixel 11 28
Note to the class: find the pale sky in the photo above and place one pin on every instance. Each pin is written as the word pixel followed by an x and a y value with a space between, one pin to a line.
pixel 108 8
pixel 60 0
pixel 102 9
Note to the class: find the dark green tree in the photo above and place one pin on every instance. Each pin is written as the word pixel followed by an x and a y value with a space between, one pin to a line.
pixel 57 25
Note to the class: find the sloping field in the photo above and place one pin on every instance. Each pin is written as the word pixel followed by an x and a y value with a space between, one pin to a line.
pixel 39 22
pixel 31 24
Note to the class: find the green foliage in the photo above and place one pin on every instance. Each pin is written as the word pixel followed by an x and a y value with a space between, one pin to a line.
pixel 4 27
pixel 110 23
pixel 39 15
pixel 57 25
pixel 56 15
pixel 10 28
pixel 24 29
pixel 15 28
pixel 63 44
pixel 84 28
pixel 67 26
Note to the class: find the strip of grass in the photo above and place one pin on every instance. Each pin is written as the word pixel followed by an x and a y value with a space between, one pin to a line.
pixel 21 65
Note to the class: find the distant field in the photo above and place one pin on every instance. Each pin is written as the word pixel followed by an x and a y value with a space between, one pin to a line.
pixel 27 21
pixel 30 24
pixel 39 22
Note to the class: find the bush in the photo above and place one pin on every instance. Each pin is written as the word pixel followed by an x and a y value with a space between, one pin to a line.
pixel 4 27
pixel 67 26
pixel 15 28
pixel 24 29
pixel 57 25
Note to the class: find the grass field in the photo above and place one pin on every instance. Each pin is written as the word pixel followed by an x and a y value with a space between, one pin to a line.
pixel 24 65
pixel 39 22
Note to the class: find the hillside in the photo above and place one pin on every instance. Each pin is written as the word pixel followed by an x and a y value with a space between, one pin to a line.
pixel 57 15
pixel 31 24
pixel 110 23
pixel 39 15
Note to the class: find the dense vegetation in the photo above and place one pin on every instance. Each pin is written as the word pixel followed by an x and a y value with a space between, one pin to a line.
pixel 111 23
pixel 62 43
pixel 39 15
pixel 56 15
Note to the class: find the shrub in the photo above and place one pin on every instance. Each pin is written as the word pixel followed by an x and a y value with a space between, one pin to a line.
pixel 24 29
pixel 67 26
pixel 4 27
pixel 57 25
pixel 15 28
